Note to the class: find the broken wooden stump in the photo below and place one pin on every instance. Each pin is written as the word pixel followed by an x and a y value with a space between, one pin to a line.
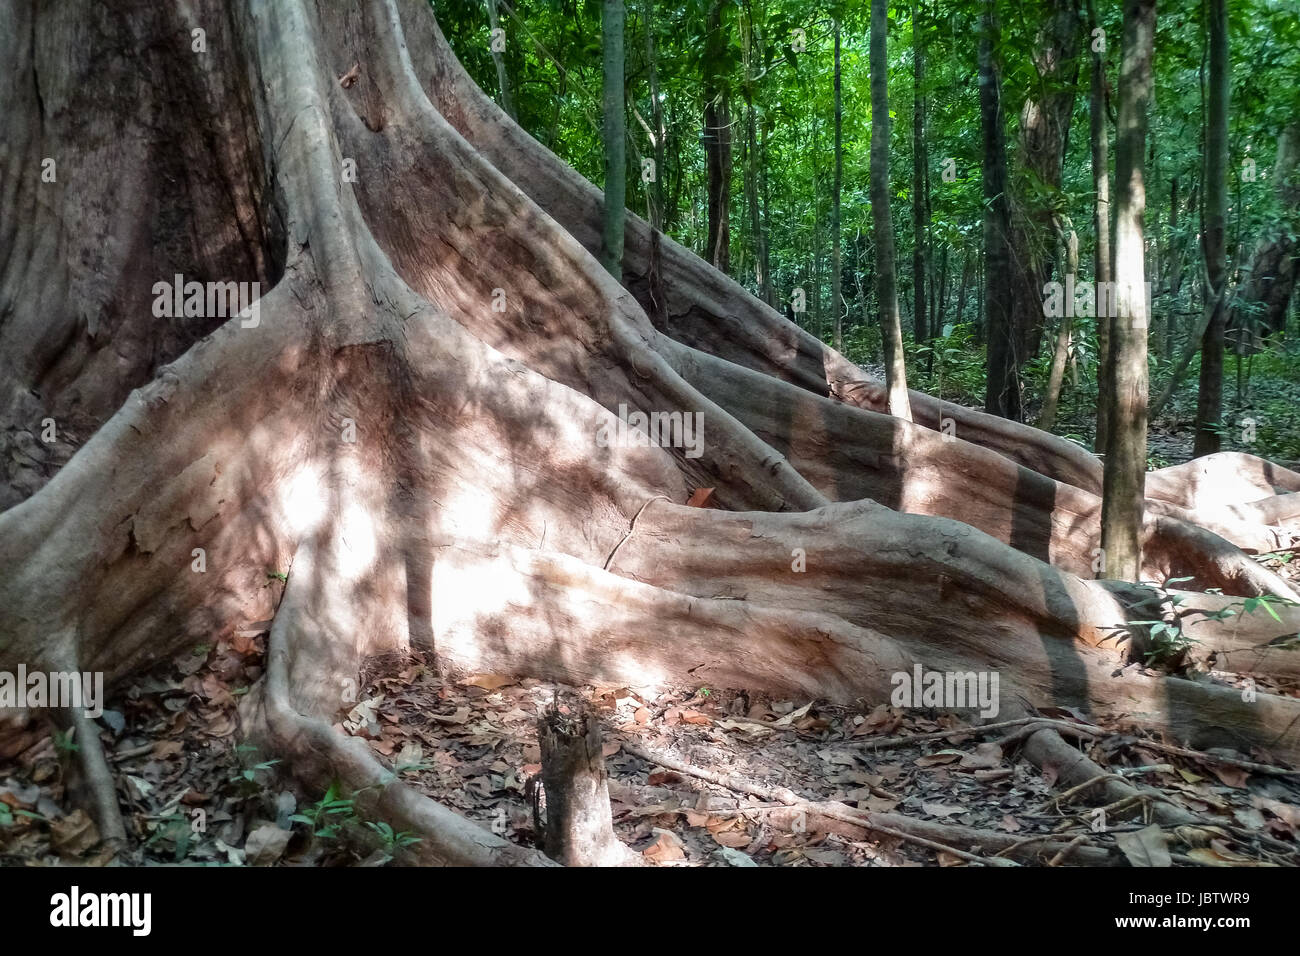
pixel 579 827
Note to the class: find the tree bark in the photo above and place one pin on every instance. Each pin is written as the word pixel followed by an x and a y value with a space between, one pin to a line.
pixel 1101 213
pixel 1123 482
pixel 427 468
pixel 1002 390
pixel 1271 282
pixel 1044 130
pixel 754 171
pixel 882 222
pixel 836 182
pixel 717 141
pixel 654 277
pixel 1209 401
pixel 961 288
pixel 920 323
pixel 499 61
pixel 1056 375
pixel 614 116
pixel 579 828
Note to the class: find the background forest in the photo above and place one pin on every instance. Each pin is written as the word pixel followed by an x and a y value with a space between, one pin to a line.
pixel 755 90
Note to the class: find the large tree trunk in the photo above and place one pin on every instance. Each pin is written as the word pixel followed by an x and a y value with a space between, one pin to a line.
pixel 1126 376
pixel 1209 400
pixel 717 141
pixel 1044 130
pixel 414 424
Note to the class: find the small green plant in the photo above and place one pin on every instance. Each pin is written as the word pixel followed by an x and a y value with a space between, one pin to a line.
pixel 391 840
pixel 246 778
pixel 8 813
pixel 329 815
pixel 64 743
pixel 277 576
pixel 172 829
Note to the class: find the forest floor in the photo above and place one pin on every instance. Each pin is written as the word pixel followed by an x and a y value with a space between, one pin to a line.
pixel 190 795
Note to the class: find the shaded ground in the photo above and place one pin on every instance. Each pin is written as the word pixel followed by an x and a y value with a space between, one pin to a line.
pixel 192 796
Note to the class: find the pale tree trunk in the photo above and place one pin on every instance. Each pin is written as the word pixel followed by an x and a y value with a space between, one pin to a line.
pixel 1101 211
pixel 1002 391
pixel 415 424
pixel 1124 480
pixel 1209 400
pixel 1047 418
pixel 891 328
pixel 836 182
pixel 614 116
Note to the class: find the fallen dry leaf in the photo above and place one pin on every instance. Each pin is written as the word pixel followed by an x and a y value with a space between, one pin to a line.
pixel 665 849
pixel 1145 847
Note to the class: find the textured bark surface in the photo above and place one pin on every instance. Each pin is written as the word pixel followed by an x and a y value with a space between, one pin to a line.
pixel 1002 389
pixel 882 225
pixel 475 513
pixel 579 827
pixel 1209 398
pixel 1126 371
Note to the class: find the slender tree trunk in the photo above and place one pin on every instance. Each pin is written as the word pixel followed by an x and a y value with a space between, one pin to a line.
pixel 1047 418
pixel 939 305
pixel 1124 477
pixel 920 325
pixel 961 288
pixel 615 135
pixel 882 223
pixel 766 230
pixel 1174 268
pixel 1209 402
pixel 1002 390
pixel 836 183
pixel 658 300
pixel 717 141
pixel 753 167
pixel 499 60
pixel 1101 216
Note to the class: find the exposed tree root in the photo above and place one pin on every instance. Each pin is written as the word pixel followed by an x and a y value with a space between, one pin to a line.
pixel 99 780
pixel 427 467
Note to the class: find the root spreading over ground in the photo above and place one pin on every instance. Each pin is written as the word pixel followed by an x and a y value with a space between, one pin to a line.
pixel 408 435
